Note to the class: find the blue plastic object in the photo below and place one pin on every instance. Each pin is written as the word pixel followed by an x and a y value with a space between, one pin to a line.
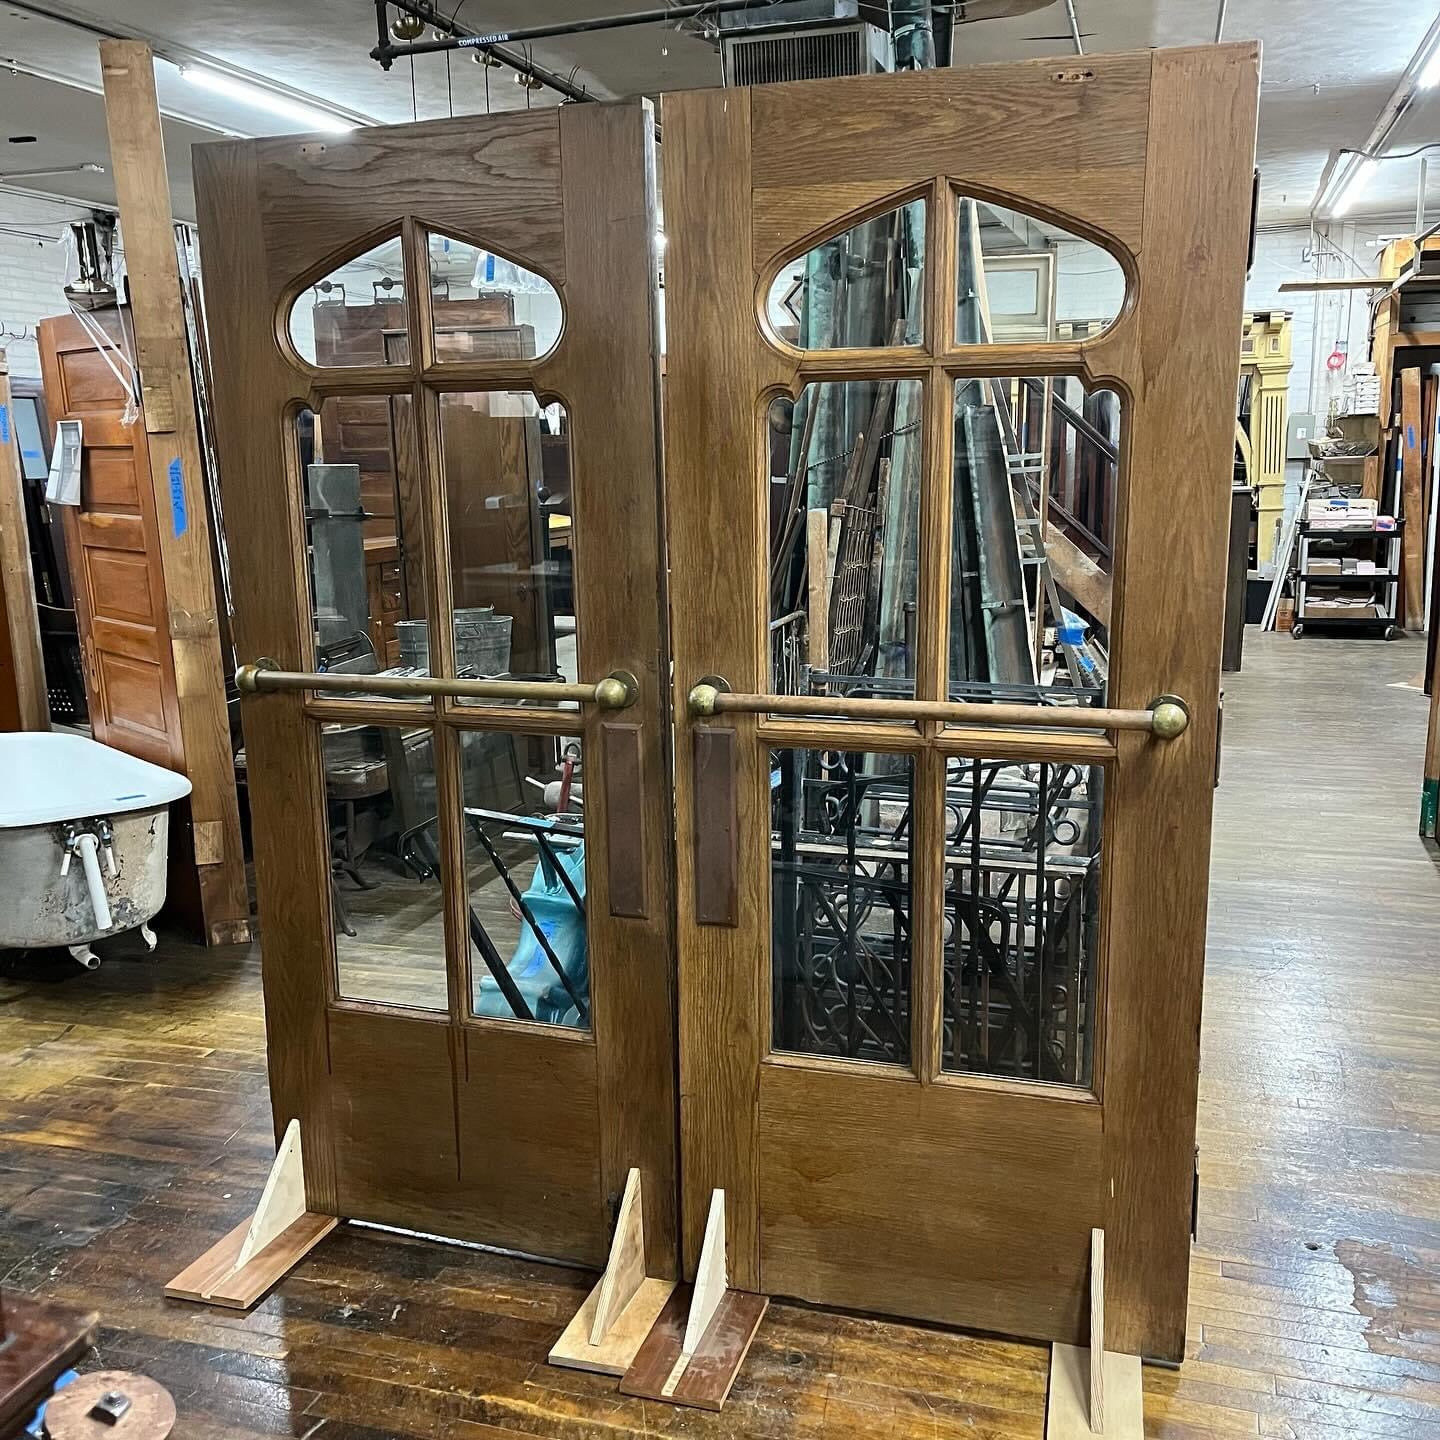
pixel 564 930
pixel 36 1427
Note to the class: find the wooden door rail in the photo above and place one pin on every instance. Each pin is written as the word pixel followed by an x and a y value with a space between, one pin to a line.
pixel 617 691
pixel 1166 716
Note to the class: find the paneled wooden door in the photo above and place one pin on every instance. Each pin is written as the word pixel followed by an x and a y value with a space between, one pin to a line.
pixel 112 539
pixel 940 961
pixel 466 905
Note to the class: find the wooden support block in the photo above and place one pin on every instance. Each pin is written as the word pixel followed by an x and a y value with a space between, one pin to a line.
pixel 1094 1391
pixel 239 1269
pixel 711 1280
pixel 697 1346
pixel 662 1372
pixel 606 1332
pixel 1065 1409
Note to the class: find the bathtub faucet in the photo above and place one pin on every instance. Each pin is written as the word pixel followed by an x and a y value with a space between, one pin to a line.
pixel 87 844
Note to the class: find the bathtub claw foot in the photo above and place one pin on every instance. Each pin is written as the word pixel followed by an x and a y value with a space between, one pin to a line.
pixel 148 936
pixel 85 956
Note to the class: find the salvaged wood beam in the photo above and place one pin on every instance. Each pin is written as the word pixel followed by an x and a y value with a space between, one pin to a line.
pixel 137 154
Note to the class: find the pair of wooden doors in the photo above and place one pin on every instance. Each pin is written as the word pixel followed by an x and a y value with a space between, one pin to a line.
pixel 900 947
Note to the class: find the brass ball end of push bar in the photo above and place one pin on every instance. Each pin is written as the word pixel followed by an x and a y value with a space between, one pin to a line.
pixel 245 681
pixel 617 691
pixel 1169 717
pixel 702 699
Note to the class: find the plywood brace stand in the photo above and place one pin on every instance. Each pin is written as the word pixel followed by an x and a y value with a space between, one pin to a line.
pixel 607 1330
pixel 1094 1391
pixel 696 1348
pixel 239 1269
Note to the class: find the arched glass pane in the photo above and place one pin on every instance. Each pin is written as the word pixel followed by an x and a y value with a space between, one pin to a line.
pixel 862 289
pixel 1019 279
pixel 487 307
pixel 355 315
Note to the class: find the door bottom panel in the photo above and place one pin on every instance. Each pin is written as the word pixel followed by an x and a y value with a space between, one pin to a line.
pixel 506 1154
pixel 926 1201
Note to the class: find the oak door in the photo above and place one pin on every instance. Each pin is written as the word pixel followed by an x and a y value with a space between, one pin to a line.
pixel 465 905
pixel 941 888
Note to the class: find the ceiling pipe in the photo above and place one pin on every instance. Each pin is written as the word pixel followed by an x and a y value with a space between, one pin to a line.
pixel 463 38
pixel 460 35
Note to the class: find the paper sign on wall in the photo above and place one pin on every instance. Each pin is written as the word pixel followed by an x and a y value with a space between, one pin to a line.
pixel 63 485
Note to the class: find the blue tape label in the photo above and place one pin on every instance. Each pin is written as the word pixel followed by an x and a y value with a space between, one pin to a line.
pixel 1410 436
pixel 180 520
pixel 4 424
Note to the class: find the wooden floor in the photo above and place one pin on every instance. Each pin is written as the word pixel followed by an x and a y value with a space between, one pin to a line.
pixel 134 1130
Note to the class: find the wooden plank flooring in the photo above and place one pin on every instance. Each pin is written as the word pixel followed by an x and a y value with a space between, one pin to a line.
pixel 134 1131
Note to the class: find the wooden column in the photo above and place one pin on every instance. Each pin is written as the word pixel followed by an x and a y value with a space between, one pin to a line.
pixel 23 701
pixel 137 154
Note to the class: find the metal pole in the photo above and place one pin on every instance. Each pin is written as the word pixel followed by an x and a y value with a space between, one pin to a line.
pixel 1420 195
pixel 1220 20
pixel 463 38
pixel 1074 26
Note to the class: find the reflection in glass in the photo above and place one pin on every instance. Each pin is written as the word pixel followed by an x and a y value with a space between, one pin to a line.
pixel 1035 468
pixel 366 559
pixel 525 877
pixel 862 288
pixel 507 490
pixel 343 318
pixel 385 890
pixel 1022 898
pixel 841 904
pixel 844 538
pixel 487 307
pixel 1021 279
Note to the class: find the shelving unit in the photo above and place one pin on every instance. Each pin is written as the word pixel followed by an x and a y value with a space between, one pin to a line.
pixel 1383 583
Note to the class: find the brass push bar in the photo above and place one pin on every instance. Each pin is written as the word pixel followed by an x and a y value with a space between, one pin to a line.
pixel 1166 717
pixel 617 691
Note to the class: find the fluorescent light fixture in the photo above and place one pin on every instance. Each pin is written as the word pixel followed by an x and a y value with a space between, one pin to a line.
pixel 271 101
pixel 1354 186
pixel 1430 75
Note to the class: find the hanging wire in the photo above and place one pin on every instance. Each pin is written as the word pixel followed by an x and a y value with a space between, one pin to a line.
pixel 414 104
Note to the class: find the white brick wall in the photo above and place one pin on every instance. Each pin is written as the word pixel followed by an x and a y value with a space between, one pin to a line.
pixel 32 272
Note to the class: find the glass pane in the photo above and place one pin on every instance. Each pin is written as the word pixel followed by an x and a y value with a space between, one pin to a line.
pixel 487 307
pixel 840 875
pixel 525 871
pixel 864 288
pixel 507 489
pixel 352 316
pixel 844 538
pixel 363 527
pixel 1022 907
pixel 384 862
pixel 1036 462
pixel 1079 286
